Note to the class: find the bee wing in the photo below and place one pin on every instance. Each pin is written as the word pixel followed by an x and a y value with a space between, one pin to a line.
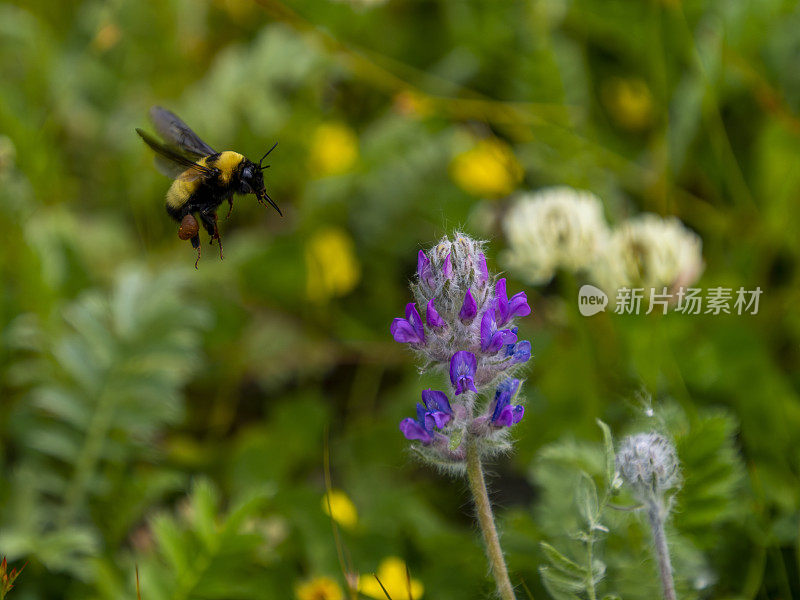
pixel 172 164
pixel 175 132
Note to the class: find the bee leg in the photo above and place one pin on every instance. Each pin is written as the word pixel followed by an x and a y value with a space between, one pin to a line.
pixel 210 223
pixel 216 235
pixel 197 246
pixel 230 207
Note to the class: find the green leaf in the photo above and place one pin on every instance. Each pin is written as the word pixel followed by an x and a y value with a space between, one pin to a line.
pixel 561 587
pixel 611 466
pixel 586 496
pixel 562 563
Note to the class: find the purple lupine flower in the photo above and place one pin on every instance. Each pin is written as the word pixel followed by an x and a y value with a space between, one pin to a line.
pixel 519 352
pixel 469 308
pixel 506 414
pixel 410 329
pixel 439 411
pixel 483 269
pixel 417 429
pixel 492 339
pixel 432 316
pixel 506 309
pixel 462 371
pixel 447 268
pixel 424 271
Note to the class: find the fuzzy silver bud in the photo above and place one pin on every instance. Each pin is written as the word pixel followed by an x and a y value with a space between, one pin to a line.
pixel 649 464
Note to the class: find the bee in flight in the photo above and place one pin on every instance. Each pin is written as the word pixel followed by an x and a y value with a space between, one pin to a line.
pixel 203 177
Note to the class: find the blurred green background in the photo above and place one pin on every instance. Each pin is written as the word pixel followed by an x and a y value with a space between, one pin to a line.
pixel 178 419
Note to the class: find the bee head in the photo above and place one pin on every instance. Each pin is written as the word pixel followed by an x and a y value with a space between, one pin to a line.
pixel 252 180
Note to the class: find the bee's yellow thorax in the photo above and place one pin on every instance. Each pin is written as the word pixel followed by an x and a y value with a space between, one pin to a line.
pixel 226 162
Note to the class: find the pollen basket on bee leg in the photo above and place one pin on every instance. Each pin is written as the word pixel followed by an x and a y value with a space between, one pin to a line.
pixel 188 228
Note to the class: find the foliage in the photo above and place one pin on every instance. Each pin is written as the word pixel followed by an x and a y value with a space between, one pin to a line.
pixel 177 419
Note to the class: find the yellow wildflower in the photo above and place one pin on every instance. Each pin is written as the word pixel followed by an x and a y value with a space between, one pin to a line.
pixel 629 102
pixel 341 509
pixel 392 573
pixel 319 588
pixel 334 149
pixel 332 267
pixel 489 169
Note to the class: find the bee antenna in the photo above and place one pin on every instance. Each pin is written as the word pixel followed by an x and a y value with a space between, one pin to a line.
pixel 265 156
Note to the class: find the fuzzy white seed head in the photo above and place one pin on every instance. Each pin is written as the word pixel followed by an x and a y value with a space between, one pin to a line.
pixel 554 228
pixel 649 464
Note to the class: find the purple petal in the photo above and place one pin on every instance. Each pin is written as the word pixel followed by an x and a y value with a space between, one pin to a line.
pixel 436 419
pixel 518 306
pixel 462 371
pixel 436 400
pixel 412 430
pixel 500 290
pixel 413 318
pixel 447 269
pixel 403 332
pixel 483 270
pixel 469 308
pixel 493 339
pixel 432 317
pixel 503 396
pixel 509 388
pixel 488 327
pixel 521 352
pixel 505 310
pixel 507 336
pixel 510 415
pixel 424 271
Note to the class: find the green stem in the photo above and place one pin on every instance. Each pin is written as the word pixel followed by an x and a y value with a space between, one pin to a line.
pixel 483 507
pixel 656 515
pixel 590 589
pixel 88 458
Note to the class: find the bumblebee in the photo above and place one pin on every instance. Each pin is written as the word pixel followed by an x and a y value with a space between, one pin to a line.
pixel 203 177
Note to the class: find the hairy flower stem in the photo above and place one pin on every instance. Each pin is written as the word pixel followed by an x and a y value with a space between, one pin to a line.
pixel 656 514
pixel 483 507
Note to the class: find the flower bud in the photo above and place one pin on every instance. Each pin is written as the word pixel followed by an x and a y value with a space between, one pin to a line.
pixel 648 463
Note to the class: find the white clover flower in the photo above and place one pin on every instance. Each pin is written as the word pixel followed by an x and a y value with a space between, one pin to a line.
pixel 651 252
pixel 554 228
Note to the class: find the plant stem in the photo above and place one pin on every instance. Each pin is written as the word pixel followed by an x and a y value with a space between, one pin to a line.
pixel 656 514
pixel 483 507
pixel 590 589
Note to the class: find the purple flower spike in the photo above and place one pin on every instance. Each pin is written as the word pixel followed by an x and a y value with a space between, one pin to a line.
pixel 410 329
pixel 506 309
pixel 492 339
pixel 432 316
pixel 469 308
pixel 439 412
pixel 447 269
pixel 505 414
pixel 462 371
pixel 424 271
pixel 520 352
pixel 416 429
